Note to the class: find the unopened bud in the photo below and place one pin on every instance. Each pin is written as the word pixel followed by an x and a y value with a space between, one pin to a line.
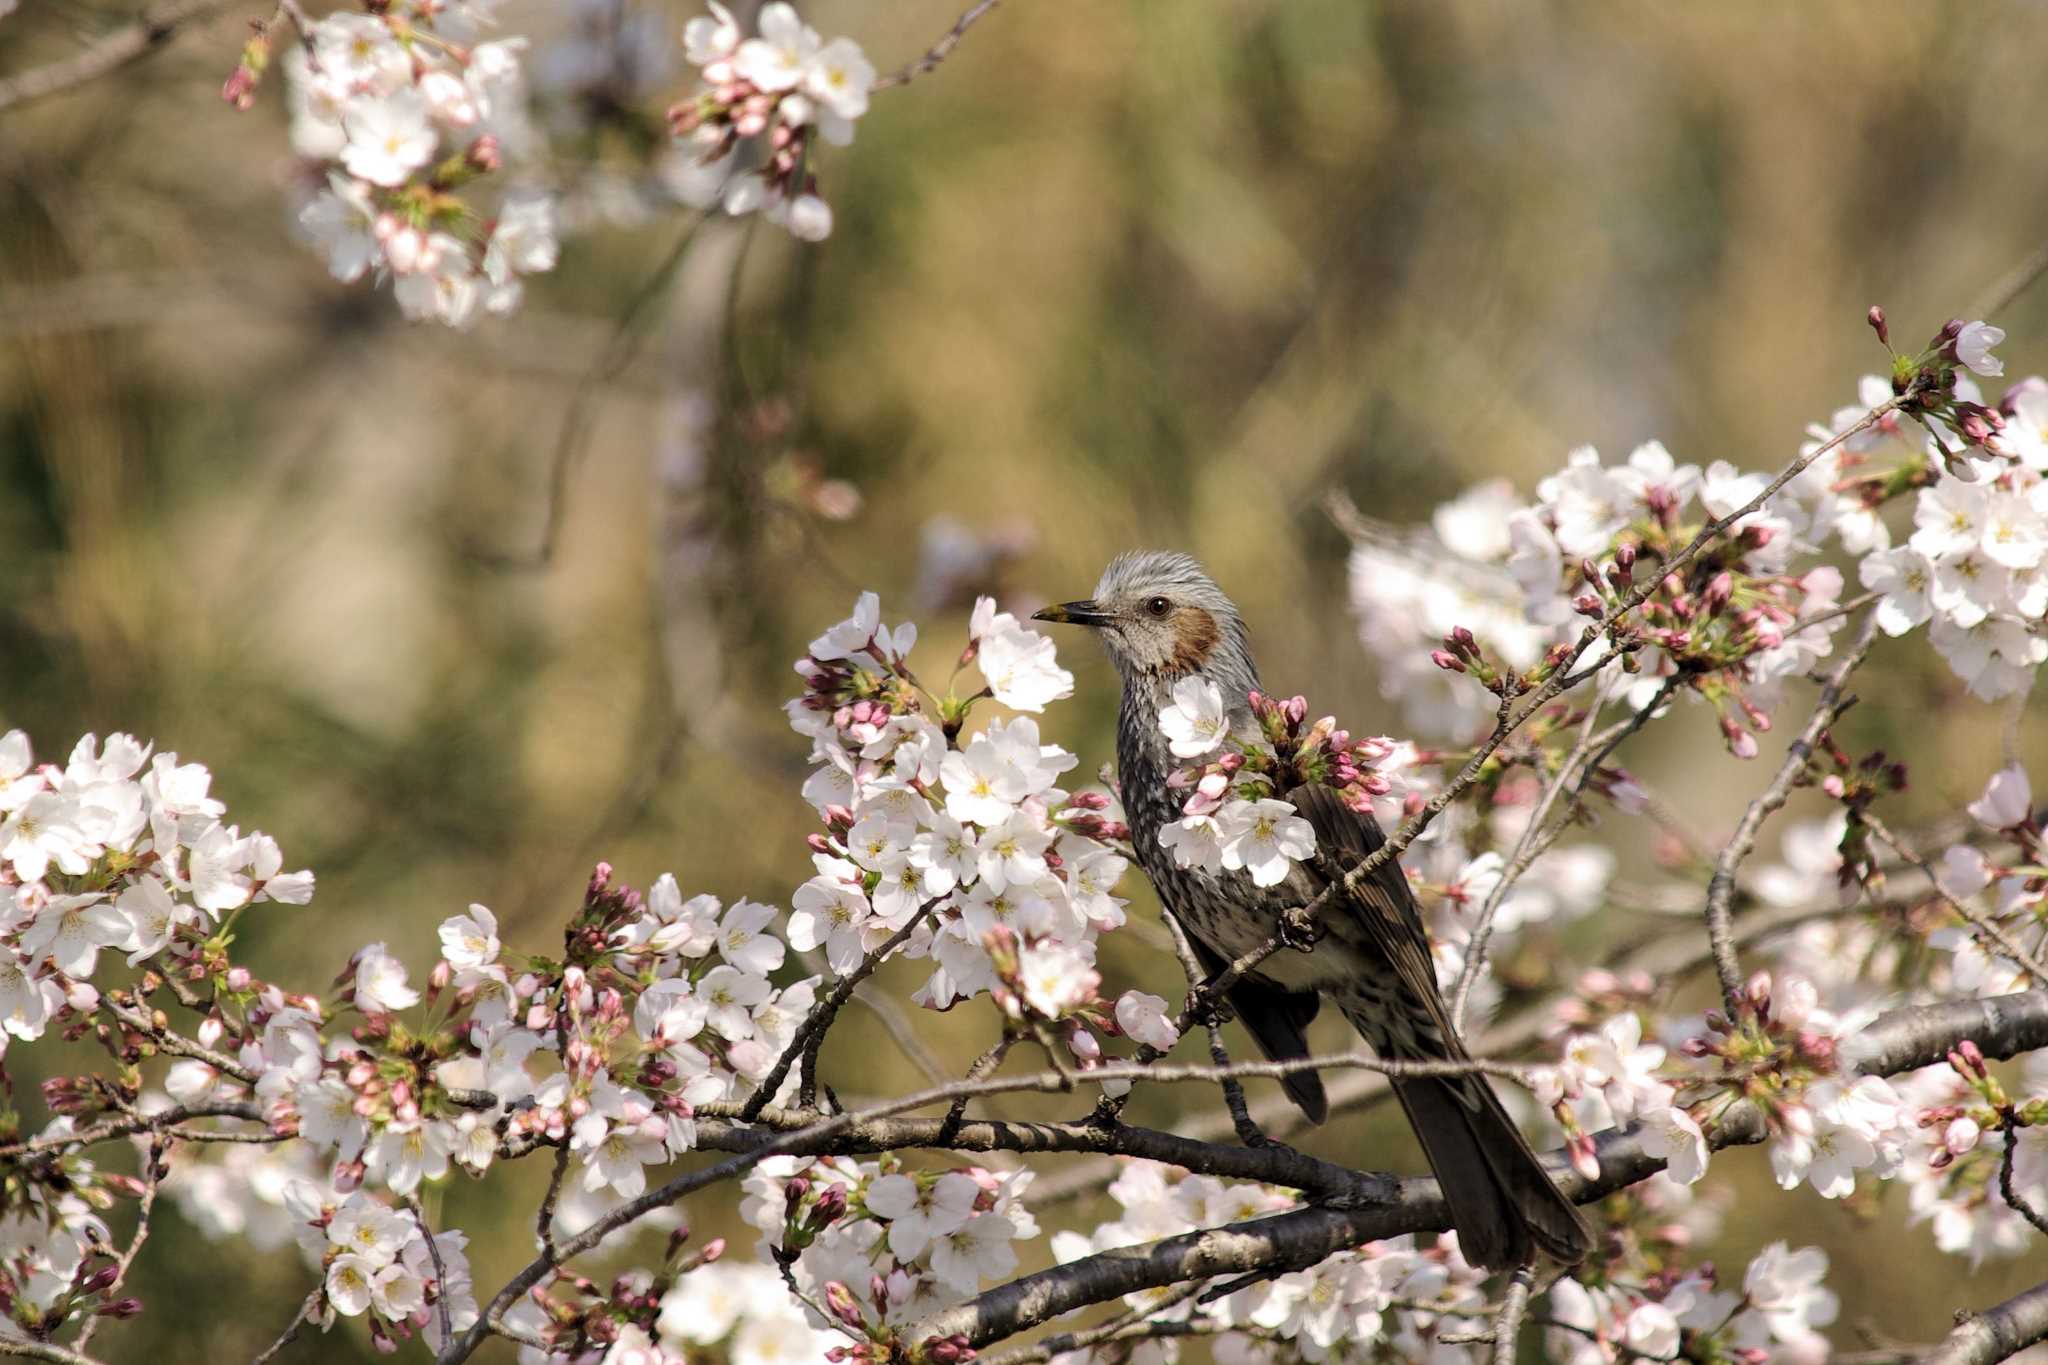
pixel 1877 324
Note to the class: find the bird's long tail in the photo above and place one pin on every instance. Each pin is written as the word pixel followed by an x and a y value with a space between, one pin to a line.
pixel 1502 1201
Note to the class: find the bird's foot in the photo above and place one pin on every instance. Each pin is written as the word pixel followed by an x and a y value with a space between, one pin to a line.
pixel 1206 1006
pixel 1368 1190
pixel 1299 929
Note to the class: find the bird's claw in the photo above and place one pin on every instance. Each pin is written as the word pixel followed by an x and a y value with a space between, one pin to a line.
pixel 1205 1008
pixel 1300 930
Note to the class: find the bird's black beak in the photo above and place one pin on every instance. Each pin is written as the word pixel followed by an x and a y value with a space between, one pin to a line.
pixel 1084 613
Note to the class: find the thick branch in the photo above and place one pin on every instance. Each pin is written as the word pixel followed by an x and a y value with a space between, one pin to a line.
pixel 1899 1041
pixel 1995 1333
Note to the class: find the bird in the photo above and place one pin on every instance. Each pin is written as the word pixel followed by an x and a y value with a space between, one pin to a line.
pixel 1163 619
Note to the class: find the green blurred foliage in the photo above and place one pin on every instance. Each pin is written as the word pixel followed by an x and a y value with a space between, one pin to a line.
pixel 1155 273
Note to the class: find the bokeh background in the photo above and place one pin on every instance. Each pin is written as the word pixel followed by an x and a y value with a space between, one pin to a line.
pixel 454 615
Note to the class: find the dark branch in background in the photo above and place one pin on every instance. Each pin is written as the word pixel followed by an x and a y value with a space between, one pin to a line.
pixel 1721 888
pixel 939 51
pixel 156 27
pixel 628 335
pixel 1995 1333
pixel 1902 1040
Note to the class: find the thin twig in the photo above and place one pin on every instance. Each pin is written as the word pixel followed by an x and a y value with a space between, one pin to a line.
pixel 939 51
pixel 1115 1329
pixel 2013 1199
pixel 1233 1091
pixel 981 1067
pixel 1721 887
pixel 1537 836
pixel 2016 282
pixel 1983 925
pixel 167 1040
pixel 810 1035
pixel 154 1169
pixel 440 1270
pixel 136 1123
pixel 307 1308
pixel 45 1350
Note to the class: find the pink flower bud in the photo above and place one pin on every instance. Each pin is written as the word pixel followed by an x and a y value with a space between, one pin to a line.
pixel 1962 1135
pixel 1444 659
pixel 1583 1159
pixel 1875 317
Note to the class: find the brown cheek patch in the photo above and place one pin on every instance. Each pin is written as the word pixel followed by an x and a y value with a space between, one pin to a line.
pixel 1194 639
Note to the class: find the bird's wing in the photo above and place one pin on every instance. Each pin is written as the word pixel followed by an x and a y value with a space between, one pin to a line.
pixel 1278 1022
pixel 1382 906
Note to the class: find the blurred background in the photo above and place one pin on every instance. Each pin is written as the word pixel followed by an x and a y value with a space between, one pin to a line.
pixel 455 615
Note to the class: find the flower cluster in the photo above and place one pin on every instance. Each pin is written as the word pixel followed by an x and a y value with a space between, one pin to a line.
pixel 960 850
pixel 1383 1295
pixel 1236 815
pixel 1975 569
pixel 376 1260
pixel 400 116
pixel 1955 1171
pixel 1609 1078
pixel 1688 1317
pixel 870 1245
pixel 784 88
pixel 2016 888
pixel 118 850
pixel 1506 585
pixel 1786 1053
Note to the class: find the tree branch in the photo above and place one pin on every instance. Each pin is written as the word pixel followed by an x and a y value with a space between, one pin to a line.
pixel 1995 1333
pixel 154 29
pixel 1898 1041
pixel 1721 887
pixel 939 51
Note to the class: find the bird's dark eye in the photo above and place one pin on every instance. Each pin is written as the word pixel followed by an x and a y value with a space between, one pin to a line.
pixel 1157 606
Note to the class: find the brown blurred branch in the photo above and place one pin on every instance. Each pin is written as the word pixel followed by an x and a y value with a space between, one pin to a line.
pixel 156 27
pixel 628 334
pixel 939 51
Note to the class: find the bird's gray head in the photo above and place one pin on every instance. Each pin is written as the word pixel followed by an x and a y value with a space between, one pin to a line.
pixel 1162 619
